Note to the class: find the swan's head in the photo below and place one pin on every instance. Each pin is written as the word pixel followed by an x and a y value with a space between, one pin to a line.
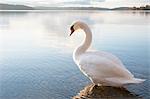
pixel 77 25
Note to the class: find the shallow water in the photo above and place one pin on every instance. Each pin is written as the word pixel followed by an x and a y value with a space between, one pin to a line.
pixel 36 51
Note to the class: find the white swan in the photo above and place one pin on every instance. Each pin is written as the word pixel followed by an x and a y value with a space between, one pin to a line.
pixel 102 68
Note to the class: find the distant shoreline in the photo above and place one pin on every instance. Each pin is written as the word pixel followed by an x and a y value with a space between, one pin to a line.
pixel 70 10
pixel 11 7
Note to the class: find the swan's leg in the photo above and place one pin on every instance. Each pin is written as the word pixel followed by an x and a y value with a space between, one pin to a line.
pixel 94 85
pixel 91 88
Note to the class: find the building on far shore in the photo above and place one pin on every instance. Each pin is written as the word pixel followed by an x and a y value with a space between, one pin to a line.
pixel 147 7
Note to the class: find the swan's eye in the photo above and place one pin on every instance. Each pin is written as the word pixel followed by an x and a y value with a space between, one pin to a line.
pixel 72 30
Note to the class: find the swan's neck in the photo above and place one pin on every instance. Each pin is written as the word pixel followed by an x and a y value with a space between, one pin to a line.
pixel 86 42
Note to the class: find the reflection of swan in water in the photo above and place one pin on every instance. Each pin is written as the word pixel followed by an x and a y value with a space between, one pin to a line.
pixel 105 92
pixel 101 67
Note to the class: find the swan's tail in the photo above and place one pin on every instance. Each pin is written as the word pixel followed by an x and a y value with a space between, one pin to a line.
pixel 136 80
pixel 133 81
pixel 122 81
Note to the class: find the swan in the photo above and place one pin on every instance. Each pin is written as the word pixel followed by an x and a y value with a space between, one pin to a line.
pixel 102 68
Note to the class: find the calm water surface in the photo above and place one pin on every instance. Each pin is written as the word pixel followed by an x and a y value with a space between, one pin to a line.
pixel 36 51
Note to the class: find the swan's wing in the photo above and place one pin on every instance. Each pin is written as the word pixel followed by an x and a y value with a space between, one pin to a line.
pixel 96 65
pixel 107 55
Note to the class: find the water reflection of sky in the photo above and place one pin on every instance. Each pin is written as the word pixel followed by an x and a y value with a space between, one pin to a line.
pixel 54 27
pixel 39 42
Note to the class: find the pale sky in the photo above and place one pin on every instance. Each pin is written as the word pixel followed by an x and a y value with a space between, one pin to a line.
pixel 101 3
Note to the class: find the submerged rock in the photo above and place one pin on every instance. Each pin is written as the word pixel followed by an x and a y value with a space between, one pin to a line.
pixel 104 92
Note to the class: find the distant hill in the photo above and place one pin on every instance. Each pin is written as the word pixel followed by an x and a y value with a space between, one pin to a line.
pixel 122 8
pixel 23 7
pixel 69 8
pixel 14 7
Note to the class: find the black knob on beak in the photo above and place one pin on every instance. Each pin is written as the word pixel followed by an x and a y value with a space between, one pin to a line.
pixel 72 30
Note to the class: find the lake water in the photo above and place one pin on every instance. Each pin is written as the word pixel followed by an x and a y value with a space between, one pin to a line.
pixel 36 50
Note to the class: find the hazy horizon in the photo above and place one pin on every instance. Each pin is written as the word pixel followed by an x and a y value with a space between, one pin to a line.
pixel 79 3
